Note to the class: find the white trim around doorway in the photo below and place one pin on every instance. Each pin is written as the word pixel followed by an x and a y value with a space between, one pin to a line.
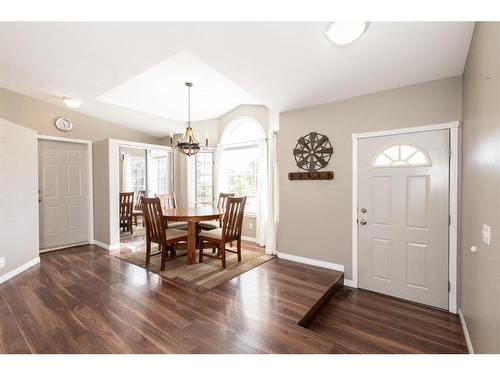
pixel 90 183
pixel 114 189
pixel 453 201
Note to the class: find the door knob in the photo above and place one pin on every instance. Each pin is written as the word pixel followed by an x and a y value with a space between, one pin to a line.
pixel 362 222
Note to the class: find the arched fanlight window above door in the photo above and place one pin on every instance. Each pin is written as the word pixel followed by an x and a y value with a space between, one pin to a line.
pixel 402 156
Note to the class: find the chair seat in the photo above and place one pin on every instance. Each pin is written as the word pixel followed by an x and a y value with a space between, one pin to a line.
pixel 208 225
pixel 136 212
pixel 178 225
pixel 173 234
pixel 215 234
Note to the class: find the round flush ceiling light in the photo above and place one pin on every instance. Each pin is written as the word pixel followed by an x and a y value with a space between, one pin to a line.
pixel 72 103
pixel 344 32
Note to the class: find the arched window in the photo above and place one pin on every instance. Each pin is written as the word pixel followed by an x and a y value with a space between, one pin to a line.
pixel 242 130
pixel 241 160
pixel 402 156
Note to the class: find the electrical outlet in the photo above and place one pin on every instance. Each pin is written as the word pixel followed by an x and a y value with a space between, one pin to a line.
pixel 486 234
pixel 250 225
pixel 2 262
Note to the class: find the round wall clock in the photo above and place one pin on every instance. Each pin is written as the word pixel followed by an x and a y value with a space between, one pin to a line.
pixel 313 152
pixel 63 124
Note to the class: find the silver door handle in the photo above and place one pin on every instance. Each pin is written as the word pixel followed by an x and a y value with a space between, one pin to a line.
pixel 363 222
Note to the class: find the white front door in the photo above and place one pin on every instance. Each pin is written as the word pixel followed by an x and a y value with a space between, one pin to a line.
pixel 403 216
pixel 62 184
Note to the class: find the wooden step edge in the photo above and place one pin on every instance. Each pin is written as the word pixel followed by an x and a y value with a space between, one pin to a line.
pixel 314 311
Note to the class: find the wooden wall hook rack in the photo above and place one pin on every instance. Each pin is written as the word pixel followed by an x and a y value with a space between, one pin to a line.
pixel 292 176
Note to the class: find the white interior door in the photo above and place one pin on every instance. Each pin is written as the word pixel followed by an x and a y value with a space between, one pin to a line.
pixel 62 183
pixel 403 216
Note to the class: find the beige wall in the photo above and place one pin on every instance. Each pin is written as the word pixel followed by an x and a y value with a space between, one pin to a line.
pixel 480 281
pixel 180 179
pixel 101 179
pixel 40 116
pixel 315 216
pixel 180 166
pixel 19 195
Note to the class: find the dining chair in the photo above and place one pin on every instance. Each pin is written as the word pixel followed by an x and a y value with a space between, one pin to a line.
pixel 126 206
pixel 230 231
pixel 221 203
pixel 157 231
pixel 137 210
pixel 169 202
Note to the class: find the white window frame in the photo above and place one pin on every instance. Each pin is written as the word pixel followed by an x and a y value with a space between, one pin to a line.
pixel 209 151
pixel 150 159
pixel 428 160
pixel 453 202
pixel 144 177
pixel 242 146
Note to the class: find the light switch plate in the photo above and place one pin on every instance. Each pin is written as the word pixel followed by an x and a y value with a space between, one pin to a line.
pixel 486 234
pixel 2 262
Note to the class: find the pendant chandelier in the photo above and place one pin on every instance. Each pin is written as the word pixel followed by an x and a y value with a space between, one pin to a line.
pixel 189 144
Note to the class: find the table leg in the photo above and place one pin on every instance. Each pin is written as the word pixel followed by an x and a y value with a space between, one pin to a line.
pixel 191 242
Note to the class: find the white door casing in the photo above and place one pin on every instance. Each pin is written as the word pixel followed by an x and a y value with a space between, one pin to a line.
pixel 403 247
pixel 63 187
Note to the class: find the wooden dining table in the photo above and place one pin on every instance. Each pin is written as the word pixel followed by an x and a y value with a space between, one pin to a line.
pixel 192 216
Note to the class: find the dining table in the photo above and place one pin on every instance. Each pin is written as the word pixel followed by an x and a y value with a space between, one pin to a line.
pixel 192 216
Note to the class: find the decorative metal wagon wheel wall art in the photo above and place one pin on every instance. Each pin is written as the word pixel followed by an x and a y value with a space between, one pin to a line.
pixel 313 152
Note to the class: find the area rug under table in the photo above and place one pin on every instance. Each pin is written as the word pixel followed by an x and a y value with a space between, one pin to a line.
pixel 200 276
pixel 139 231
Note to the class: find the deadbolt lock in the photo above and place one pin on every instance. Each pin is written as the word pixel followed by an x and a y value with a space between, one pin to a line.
pixel 363 210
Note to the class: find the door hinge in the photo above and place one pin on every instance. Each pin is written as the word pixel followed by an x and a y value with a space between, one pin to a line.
pixel 449 153
pixel 449 219
pixel 449 286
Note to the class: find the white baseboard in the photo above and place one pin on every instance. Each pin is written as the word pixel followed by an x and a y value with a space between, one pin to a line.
pixel 466 332
pixel 63 247
pixel 106 246
pixel 312 262
pixel 18 270
pixel 349 283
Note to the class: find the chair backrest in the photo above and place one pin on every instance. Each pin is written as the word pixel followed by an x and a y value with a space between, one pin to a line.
pixel 139 195
pixel 233 218
pixel 126 205
pixel 167 201
pixel 153 218
pixel 221 202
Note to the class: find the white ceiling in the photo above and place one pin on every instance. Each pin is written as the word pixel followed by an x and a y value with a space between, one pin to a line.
pixel 160 90
pixel 140 67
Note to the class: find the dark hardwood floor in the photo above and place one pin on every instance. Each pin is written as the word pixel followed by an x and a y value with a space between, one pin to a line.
pixel 374 323
pixel 85 300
